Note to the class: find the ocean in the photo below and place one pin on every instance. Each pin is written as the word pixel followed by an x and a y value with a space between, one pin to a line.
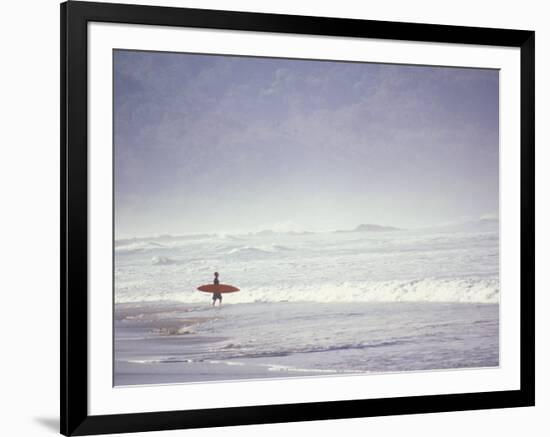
pixel 310 303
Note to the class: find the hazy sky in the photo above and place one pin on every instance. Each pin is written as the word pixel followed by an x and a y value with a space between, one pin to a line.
pixel 215 143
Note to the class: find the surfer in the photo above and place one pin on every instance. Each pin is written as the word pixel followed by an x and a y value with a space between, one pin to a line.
pixel 216 296
pixel 217 289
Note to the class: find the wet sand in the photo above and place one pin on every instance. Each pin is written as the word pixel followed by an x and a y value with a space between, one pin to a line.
pixel 167 342
pixel 155 344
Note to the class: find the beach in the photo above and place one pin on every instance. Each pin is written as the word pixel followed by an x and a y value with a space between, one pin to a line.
pixel 310 304
pixel 170 342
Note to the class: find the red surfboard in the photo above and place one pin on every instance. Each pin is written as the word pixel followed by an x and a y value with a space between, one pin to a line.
pixel 218 288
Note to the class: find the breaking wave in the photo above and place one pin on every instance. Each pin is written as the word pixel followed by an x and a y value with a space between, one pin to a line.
pixel 459 290
pixel 163 261
pixel 258 250
pixel 140 246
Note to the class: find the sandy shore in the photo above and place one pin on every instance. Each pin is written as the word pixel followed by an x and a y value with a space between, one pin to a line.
pixel 155 344
pixel 167 342
pixel 183 372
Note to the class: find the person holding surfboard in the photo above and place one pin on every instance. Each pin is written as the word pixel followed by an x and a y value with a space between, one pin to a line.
pixel 216 296
pixel 217 289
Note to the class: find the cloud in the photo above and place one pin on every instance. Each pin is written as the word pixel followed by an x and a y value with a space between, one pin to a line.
pixel 246 133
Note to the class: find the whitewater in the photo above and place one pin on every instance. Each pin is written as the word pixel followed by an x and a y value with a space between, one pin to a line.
pixel 310 303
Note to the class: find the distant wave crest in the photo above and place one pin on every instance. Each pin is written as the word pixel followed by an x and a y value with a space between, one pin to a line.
pixel 258 250
pixel 139 246
pixel 163 261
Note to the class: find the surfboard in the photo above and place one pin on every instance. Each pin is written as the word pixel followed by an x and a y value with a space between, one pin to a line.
pixel 218 288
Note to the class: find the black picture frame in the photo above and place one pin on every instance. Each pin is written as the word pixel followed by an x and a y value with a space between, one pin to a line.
pixel 75 16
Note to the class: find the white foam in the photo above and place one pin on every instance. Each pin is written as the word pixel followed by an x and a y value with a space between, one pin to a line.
pixel 463 290
pixel 162 261
pixel 406 266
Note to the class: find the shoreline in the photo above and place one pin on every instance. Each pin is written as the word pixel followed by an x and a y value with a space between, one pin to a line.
pixel 167 342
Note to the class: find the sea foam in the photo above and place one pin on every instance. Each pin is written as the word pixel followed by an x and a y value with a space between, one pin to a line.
pixel 405 266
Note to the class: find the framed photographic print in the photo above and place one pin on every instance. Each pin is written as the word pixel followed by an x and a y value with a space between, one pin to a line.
pixel 270 218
